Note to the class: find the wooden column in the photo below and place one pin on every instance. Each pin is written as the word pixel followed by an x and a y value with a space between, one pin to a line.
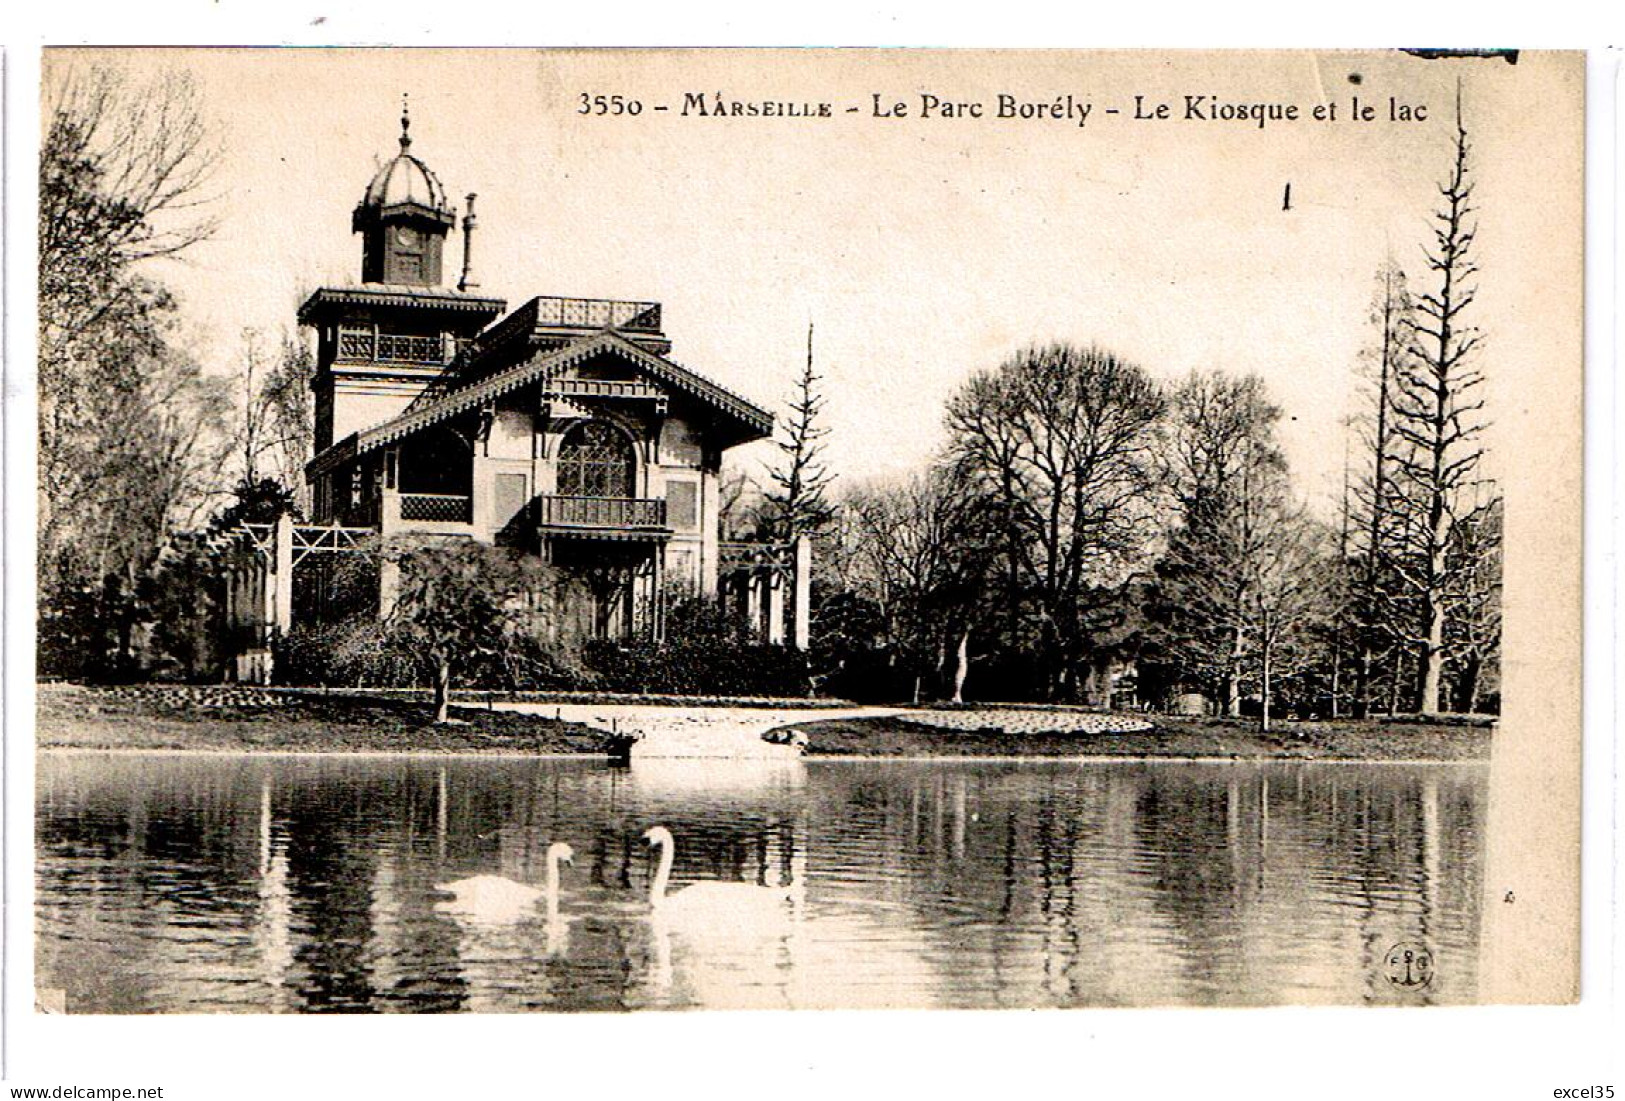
pixel 775 581
pixel 281 605
pixel 802 593
pixel 753 605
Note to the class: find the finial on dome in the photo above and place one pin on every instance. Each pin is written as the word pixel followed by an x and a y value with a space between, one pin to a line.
pixel 406 123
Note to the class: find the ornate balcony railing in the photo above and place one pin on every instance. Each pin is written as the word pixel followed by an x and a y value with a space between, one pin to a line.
pixel 598 313
pixel 612 513
pixel 375 347
pixel 437 508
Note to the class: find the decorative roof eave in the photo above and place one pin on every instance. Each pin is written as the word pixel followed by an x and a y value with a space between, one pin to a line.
pixel 757 421
pixel 367 212
pixel 753 416
pixel 397 294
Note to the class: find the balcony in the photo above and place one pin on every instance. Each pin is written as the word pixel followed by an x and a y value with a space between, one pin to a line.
pixel 611 517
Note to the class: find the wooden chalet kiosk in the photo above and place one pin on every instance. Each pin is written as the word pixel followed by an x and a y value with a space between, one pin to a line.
pixel 563 428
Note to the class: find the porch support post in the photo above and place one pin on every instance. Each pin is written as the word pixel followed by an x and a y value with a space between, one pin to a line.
pixel 231 632
pixel 802 592
pixel 775 580
pixel 282 601
pixel 657 601
pixel 753 604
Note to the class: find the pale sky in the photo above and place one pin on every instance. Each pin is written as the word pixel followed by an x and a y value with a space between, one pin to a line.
pixel 921 248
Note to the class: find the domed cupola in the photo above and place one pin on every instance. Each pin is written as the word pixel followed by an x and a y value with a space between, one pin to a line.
pixel 403 219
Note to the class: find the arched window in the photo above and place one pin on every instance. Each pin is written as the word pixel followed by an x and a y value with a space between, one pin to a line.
pixel 596 460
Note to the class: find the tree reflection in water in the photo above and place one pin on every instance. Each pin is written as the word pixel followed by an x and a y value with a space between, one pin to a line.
pixel 171 884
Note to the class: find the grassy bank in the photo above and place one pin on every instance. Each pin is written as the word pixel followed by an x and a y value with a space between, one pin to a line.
pixel 1168 737
pixel 246 719
pixel 235 720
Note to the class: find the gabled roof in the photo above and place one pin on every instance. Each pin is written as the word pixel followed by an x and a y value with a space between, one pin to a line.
pixel 751 421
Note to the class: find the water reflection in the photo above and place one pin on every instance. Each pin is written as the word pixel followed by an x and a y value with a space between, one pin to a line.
pixel 187 884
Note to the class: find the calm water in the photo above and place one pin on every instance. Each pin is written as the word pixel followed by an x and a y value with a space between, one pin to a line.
pixel 307 884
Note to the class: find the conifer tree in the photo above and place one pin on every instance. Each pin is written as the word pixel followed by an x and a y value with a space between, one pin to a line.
pixel 798 504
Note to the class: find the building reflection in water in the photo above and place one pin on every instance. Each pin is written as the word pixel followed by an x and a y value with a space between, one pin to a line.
pixel 307 884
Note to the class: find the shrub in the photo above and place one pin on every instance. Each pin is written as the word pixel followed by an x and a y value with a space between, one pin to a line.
pixel 368 656
pixel 697 667
pixel 345 655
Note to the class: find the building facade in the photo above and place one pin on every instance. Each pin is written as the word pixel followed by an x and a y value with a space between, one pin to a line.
pixel 562 427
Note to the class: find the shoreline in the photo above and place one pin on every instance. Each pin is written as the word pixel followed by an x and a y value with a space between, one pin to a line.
pixel 833 758
pixel 249 721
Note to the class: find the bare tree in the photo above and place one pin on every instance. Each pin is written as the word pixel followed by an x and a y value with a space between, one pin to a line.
pixel 1289 593
pixel 125 171
pixel 1062 441
pixel 1382 610
pixel 1227 476
pixel 923 548
pixel 1474 631
pixel 276 423
pixel 1438 419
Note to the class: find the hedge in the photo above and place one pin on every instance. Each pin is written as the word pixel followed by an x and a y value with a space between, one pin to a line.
pixel 337 656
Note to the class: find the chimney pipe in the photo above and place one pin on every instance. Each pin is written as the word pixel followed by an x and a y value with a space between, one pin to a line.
pixel 468 282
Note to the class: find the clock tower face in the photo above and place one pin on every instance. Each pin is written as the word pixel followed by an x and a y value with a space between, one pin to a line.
pixel 411 254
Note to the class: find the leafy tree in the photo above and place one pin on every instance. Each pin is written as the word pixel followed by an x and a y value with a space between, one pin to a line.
pixel 458 603
pixel 259 502
pixel 129 427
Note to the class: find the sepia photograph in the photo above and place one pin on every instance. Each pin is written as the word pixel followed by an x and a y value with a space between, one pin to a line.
pixel 639 531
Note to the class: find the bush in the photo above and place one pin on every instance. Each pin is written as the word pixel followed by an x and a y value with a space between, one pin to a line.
pixel 344 655
pixel 697 667
pixel 364 656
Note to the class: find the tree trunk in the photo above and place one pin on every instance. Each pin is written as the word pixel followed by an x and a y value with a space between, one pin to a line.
pixel 1337 676
pixel 1432 660
pixel 1264 676
pixel 442 690
pixel 1360 706
pixel 1232 678
pixel 961 665
pixel 1467 691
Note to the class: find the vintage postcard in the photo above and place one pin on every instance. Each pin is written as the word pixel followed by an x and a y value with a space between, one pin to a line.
pixel 642 531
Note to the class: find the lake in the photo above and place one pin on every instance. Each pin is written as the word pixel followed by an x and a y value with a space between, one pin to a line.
pixel 200 883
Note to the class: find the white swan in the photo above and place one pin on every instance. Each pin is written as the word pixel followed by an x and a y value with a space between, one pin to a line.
pixel 495 898
pixel 712 907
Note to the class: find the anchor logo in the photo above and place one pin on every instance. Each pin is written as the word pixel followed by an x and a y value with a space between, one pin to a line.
pixel 1409 965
